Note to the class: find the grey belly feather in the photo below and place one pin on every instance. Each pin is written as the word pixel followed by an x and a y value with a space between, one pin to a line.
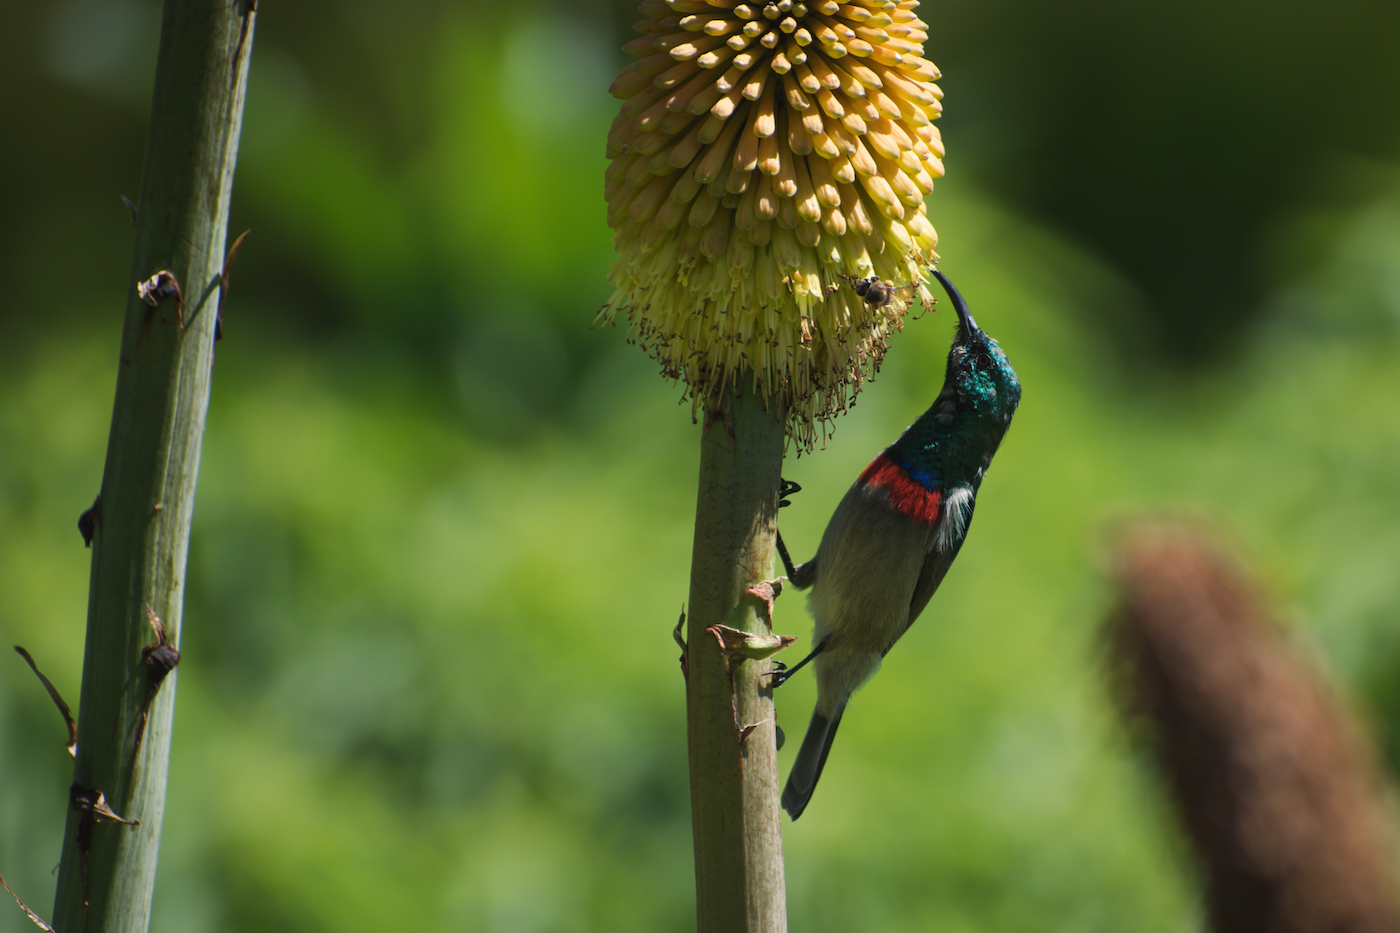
pixel 868 566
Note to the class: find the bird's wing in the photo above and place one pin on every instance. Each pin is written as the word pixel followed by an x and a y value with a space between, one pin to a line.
pixel 935 568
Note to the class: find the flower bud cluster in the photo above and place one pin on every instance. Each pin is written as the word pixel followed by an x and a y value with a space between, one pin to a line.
pixel 766 157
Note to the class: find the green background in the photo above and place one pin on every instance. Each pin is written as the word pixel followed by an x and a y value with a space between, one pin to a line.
pixel 442 531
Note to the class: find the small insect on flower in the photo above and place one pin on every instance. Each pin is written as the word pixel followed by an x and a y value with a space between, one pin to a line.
pixel 877 292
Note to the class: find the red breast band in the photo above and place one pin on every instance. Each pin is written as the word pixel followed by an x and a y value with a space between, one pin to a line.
pixel 907 497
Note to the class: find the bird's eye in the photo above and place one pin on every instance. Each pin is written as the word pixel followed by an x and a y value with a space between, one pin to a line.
pixel 984 361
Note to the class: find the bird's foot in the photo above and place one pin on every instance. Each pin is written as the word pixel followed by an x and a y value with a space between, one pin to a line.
pixel 787 488
pixel 781 673
pixel 778 675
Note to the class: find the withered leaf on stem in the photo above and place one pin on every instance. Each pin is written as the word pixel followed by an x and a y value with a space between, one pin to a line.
pixel 680 640
pixel 89 520
pixel 57 701
pixel 739 647
pixel 160 286
pixel 162 657
pixel 38 920
pixel 229 257
pixel 160 661
pixel 768 591
pixel 92 804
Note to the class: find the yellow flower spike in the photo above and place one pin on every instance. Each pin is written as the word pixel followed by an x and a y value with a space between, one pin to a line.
pixel 765 156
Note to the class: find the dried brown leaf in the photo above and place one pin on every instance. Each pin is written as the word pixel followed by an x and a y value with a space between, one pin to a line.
pixel 57 700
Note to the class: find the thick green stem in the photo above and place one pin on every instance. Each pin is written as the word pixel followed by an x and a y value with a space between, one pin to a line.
pixel 143 517
pixel 733 769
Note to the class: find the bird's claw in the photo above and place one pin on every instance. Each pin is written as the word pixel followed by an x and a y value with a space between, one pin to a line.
pixel 787 488
pixel 778 675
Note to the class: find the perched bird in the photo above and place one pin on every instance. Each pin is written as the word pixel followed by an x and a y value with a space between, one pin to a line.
pixel 896 533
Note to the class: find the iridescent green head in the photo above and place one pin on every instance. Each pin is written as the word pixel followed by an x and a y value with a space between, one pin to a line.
pixel 979 373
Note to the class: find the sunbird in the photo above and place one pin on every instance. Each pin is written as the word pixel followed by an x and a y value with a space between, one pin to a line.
pixel 896 533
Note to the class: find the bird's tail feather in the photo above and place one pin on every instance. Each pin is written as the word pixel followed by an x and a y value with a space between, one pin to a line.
pixel 810 761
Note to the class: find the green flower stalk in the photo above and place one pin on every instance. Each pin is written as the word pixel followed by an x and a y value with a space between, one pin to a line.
pixel 139 527
pixel 765 158
pixel 768 166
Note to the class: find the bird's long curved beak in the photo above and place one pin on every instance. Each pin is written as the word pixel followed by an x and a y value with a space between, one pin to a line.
pixel 960 306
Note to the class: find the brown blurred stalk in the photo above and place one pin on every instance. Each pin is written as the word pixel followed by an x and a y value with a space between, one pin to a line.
pixel 1271 777
pixel 733 770
pixel 142 524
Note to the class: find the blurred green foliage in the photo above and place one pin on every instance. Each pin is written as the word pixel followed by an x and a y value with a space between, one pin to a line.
pixel 443 526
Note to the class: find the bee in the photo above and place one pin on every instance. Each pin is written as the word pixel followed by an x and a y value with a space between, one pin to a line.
pixel 877 293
